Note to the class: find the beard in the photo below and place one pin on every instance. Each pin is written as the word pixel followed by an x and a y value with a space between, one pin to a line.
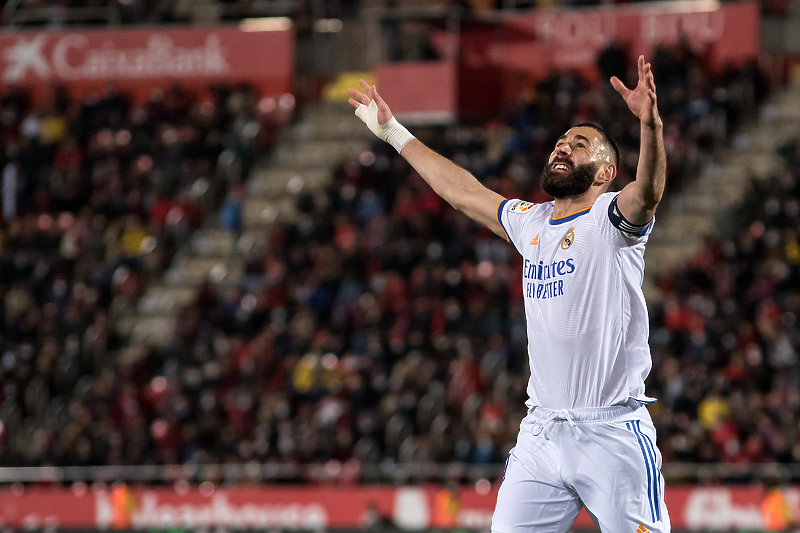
pixel 568 184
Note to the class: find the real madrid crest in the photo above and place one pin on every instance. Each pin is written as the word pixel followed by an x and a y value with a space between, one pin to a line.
pixel 568 239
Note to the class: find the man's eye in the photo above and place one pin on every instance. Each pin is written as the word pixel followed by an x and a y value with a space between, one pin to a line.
pixel 581 145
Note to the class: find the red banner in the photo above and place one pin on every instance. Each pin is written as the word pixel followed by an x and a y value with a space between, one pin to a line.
pixel 426 91
pixel 295 507
pixel 256 52
pixel 496 58
pixel 572 39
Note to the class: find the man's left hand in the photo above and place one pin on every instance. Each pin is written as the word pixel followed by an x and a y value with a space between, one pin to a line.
pixel 642 99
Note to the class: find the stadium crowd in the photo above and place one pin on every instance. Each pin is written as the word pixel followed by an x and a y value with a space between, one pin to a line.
pixel 96 197
pixel 724 336
pixel 384 326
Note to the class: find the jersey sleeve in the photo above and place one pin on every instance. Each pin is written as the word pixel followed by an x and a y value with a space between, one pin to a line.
pixel 615 227
pixel 514 215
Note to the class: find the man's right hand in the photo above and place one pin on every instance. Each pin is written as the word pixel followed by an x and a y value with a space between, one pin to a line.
pixel 374 112
pixel 457 186
pixel 366 100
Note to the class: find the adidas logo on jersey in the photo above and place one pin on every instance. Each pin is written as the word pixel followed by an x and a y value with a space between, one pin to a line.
pixel 642 529
pixel 535 240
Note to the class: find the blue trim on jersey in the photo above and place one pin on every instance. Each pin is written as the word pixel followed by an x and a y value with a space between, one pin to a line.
pixel 500 217
pixel 505 468
pixel 646 229
pixel 573 216
pixel 650 491
pixel 652 452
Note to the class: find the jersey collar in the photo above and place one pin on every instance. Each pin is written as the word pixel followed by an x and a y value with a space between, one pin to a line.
pixel 572 216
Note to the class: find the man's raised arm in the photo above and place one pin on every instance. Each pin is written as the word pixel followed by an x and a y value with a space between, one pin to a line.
pixel 454 184
pixel 639 199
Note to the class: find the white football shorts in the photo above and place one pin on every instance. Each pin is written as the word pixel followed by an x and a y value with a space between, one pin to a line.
pixel 605 459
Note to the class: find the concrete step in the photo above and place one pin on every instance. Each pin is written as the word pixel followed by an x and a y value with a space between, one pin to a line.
pixel 690 202
pixel 253 243
pixel 767 134
pixel 784 107
pixel 193 271
pixel 780 129
pixel 327 110
pixel 677 227
pixel 761 164
pixel 661 257
pixel 330 128
pixel 212 243
pixel 278 182
pixel 261 214
pixel 761 138
pixel 162 300
pixel 702 198
pixel 316 154
pixel 154 330
pixel 721 172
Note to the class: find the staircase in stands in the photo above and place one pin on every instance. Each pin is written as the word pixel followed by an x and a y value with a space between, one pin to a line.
pixel 699 209
pixel 302 161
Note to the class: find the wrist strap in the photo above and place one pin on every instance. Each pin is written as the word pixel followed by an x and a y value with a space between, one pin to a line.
pixel 392 132
pixel 396 134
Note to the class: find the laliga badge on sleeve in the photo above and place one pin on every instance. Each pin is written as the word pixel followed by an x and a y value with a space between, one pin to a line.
pixel 521 207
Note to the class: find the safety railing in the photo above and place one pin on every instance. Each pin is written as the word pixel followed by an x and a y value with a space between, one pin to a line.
pixel 19 16
pixel 387 472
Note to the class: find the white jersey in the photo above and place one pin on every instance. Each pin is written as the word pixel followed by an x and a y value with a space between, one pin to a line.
pixel 586 313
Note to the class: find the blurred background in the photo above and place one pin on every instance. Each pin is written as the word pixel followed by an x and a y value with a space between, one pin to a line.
pixel 226 306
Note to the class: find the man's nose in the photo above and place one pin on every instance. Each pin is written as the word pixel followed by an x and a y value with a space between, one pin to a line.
pixel 563 149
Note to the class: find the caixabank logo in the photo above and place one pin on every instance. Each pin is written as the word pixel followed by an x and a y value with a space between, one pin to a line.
pixel 76 57
pixel 27 55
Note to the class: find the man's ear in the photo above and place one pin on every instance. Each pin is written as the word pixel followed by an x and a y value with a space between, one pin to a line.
pixel 607 174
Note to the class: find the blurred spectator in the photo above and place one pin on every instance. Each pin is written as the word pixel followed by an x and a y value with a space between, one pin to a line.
pixel 612 61
pixel 231 212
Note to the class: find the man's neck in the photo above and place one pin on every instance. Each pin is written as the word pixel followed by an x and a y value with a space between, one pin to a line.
pixel 566 206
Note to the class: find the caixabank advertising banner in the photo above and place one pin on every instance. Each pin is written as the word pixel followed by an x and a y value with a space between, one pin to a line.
pixel 260 53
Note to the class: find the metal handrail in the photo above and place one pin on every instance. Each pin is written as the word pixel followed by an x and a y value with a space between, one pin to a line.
pixel 387 472
pixel 15 15
pixel 9 8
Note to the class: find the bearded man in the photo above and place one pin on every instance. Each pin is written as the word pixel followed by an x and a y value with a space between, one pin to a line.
pixel 587 439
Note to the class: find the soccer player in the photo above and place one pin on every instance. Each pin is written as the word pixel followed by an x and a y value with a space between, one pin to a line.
pixel 587 439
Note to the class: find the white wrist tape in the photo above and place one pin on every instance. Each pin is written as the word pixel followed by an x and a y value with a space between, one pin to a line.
pixel 392 132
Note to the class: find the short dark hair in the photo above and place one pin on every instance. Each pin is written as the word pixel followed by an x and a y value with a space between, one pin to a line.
pixel 611 142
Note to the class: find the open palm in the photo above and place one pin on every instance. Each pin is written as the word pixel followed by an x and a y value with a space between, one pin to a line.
pixel 384 113
pixel 641 99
